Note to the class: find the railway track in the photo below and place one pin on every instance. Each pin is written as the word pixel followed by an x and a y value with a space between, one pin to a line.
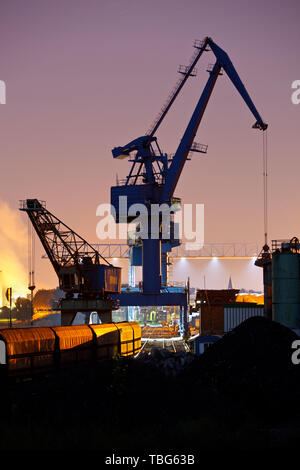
pixel 170 344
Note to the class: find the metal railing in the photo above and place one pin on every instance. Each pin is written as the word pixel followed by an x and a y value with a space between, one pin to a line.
pixel 189 250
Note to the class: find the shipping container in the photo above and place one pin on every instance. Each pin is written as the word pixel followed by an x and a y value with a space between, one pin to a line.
pixel 219 319
pixel 211 320
pixel 235 314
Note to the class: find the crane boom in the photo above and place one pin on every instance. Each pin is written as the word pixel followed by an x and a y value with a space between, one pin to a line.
pixel 63 246
pixel 180 157
pixel 186 142
pixel 228 67
pixel 75 261
pixel 200 48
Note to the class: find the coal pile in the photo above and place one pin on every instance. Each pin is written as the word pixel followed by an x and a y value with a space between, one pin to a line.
pixel 252 366
pixel 171 364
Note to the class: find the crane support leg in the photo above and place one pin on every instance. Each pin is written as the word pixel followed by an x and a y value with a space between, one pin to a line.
pixel 151 266
pixel 67 318
pixel 104 307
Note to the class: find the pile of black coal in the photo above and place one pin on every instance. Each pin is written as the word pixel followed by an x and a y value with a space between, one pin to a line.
pixel 252 364
pixel 170 363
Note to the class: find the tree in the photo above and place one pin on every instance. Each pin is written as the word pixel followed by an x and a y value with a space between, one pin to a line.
pixel 4 312
pixel 22 310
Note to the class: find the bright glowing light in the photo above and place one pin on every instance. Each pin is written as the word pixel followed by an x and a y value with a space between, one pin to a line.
pixel 13 248
pixel 250 297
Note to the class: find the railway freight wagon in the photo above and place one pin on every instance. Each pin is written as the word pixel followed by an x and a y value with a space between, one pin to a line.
pixel 26 351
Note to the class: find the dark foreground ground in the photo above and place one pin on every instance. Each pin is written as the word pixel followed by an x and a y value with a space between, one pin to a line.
pixel 243 393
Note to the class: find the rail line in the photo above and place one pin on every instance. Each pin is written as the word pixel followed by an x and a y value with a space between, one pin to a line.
pixel 169 344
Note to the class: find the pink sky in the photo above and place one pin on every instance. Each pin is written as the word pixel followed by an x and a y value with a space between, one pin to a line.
pixel 83 76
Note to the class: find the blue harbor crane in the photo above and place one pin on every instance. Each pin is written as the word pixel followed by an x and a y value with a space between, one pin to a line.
pixel 152 181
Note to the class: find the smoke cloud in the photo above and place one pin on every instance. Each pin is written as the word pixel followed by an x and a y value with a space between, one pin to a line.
pixel 13 253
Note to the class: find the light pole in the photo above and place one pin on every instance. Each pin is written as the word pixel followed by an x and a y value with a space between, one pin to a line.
pixel 9 298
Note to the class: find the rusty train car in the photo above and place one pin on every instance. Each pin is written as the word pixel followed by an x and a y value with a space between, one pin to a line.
pixel 29 351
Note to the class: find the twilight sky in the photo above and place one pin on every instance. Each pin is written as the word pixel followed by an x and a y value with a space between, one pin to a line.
pixel 83 76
